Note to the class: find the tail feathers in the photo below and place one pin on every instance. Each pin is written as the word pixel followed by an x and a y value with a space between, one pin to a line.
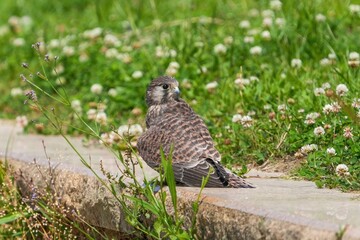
pixel 227 178
pixel 238 182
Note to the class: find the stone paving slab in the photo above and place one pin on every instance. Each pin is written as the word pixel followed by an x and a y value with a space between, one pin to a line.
pixel 276 209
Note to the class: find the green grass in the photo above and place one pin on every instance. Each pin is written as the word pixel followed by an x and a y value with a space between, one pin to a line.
pixel 36 214
pixel 192 29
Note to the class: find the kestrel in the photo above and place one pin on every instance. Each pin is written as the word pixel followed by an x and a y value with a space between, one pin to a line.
pixel 171 122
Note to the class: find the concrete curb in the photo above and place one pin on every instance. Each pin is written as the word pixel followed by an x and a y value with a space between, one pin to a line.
pixel 276 209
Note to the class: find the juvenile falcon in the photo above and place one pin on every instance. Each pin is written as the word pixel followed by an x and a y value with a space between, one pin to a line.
pixel 172 122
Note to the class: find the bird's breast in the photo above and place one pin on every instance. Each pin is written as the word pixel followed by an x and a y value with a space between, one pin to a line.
pixel 154 111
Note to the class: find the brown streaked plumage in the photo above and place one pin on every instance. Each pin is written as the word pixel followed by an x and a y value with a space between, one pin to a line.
pixel 172 122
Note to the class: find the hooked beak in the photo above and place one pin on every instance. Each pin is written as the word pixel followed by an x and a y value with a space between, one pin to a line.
pixel 176 90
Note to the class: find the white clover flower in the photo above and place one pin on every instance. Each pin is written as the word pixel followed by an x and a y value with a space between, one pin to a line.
pixel 172 53
pixel 325 86
pixel 246 121
pixel 342 170
pixel 275 4
pixel 354 8
pixel 325 62
pixel 253 79
pixel 267 13
pixel 228 40
pixel 320 18
pixel 319 91
pixel 257 50
pixel 114 136
pixel 199 44
pixel 335 107
pixel 242 82
pixel 21 121
pixel 185 83
pixel 91 114
pixel 296 63
pixel 249 39
pixel 106 139
pixel 331 108
pixel 245 24
pixel 171 71
pixel 313 115
pixel 26 21
pixel 301 110
pixel 160 52
pixel 83 46
pixel 253 12
pixel 18 42
pixel 327 109
pixel 137 74
pixel 210 87
pixel 310 118
pixel 68 51
pixel 220 49
pixel 16 92
pixel 204 69
pixel 93 33
pixel 76 105
pixel 348 132
pixel 318 131
pixel 58 69
pixel 111 53
pixel 123 130
pixel 267 107
pixel 354 59
pixel 124 57
pixel 60 81
pixel 132 130
pixel 83 57
pixel 332 56
pixel 280 22
pixel 111 40
pixel 174 65
pixel 341 90
pixel 96 88
pixel 267 22
pixel 354 56
pixel 251 113
pixel 314 147
pixel 112 92
pixel 236 118
pixel 135 130
pixel 54 43
pixel 356 103
pixel 266 35
pixel 253 32
pixel 331 151
pixel 282 108
pixel 101 118
pixel 14 21
pixel 308 148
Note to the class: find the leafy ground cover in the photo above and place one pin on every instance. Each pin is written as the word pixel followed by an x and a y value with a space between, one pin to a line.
pixel 270 78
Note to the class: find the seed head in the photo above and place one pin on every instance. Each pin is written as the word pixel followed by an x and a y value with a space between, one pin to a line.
pixel 31 95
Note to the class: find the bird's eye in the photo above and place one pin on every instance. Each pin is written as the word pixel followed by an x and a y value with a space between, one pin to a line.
pixel 165 86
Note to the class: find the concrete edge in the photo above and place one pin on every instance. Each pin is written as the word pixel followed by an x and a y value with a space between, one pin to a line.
pixel 99 208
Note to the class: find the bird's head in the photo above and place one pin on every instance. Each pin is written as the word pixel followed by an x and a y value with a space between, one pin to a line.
pixel 162 90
